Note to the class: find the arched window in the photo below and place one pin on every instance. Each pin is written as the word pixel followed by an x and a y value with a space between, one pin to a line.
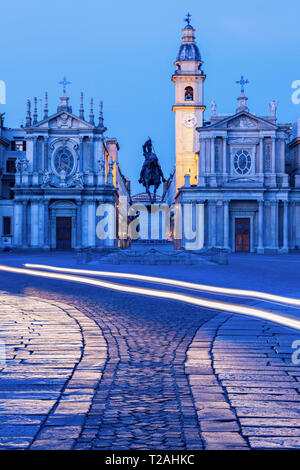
pixel 189 93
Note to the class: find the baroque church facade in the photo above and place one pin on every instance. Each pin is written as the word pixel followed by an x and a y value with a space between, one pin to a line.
pixel 55 172
pixel 244 169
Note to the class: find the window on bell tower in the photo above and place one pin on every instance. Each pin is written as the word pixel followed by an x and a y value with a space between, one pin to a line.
pixel 189 93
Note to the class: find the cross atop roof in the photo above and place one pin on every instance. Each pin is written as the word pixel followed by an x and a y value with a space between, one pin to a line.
pixel 64 82
pixel 188 18
pixel 242 82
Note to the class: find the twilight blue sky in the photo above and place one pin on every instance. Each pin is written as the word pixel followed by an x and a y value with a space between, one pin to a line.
pixel 123 53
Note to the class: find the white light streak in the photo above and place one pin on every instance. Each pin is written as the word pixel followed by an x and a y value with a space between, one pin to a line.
pixel 225 307
pixel 175 283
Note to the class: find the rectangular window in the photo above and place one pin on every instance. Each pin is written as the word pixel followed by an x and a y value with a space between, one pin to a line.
pixel 6 226
pixel 11 165
pixel 19 145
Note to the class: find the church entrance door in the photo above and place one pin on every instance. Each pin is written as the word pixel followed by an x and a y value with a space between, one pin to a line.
pixel 242 234
pixel 63 233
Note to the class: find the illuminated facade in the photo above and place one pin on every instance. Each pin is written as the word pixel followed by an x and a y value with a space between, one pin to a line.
pixel 55 172
pixel 243 168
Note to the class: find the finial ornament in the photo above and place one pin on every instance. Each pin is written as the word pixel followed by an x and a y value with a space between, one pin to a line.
pixel 92 117
pixel 46 106
pixel 81 109
pixel 242 82
pixel 100 114
pixel 28 114
pixel 35 112
pixel 64 82
pixel 188 19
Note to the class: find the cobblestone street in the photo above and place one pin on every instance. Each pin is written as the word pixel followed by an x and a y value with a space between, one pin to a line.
pixel 87 368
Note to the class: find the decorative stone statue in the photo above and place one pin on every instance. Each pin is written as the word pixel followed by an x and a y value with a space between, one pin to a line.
pixel 110 177
pixel 46 178
pixel 101 166
pixel 151 173
pixel 78 179
pixel 111 165
pixel 62 178
pixel 273 108
pixel 213 108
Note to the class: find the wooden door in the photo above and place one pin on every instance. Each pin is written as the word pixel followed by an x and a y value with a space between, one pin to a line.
pixel 242 234
pixel 63 233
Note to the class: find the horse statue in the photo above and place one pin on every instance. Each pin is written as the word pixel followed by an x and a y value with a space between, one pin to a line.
pixel 151 173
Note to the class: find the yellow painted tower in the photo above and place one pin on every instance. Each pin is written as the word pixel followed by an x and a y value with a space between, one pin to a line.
pixel 188 79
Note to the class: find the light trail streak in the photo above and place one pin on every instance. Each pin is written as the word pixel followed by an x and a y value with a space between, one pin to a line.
pixel 175 283
pixel 225 307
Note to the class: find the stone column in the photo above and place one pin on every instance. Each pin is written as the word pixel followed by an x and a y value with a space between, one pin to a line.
pixel 30 152
pixel 35 155
pixel 273 154
pixel 35 165
pixel 273 163
pixel 260 227
pixel 79 225
pixel 213 181
pixel 274 224
pixel 294 232
pixel 226 223
pixel 45 154
pixel 92 151
pixel 212 155
pixel 46 225
pixel 261 156
pixel 85 145
pixel 285 246
pixel 25 225
pixel 18 223
pixel 224 155
pixel 284 176
pixel 80 165
pixel 212 223
pixel 201 164
pixel 282 156
pixel 91 223
pixel 34 223
pixel 41 223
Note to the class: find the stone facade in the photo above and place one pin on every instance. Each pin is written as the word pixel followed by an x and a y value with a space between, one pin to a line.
pixel 55 173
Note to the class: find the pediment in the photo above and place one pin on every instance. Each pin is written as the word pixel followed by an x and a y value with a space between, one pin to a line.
pixel 64 120
pixel 244 121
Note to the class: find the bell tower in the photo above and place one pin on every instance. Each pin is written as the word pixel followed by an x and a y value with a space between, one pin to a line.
pixel 188 79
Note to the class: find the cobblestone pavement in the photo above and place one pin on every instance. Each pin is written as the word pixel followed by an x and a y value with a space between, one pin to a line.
pixel 49 349
pixel 175 377
pixel 245 387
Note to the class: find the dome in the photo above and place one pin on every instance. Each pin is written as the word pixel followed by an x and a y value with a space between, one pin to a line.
pixel 188 49
pixel 188 52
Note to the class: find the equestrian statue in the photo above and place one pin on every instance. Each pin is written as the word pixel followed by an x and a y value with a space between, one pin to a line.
pixel 151 174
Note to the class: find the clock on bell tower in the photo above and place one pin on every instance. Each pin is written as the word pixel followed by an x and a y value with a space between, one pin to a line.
pixel 188 79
